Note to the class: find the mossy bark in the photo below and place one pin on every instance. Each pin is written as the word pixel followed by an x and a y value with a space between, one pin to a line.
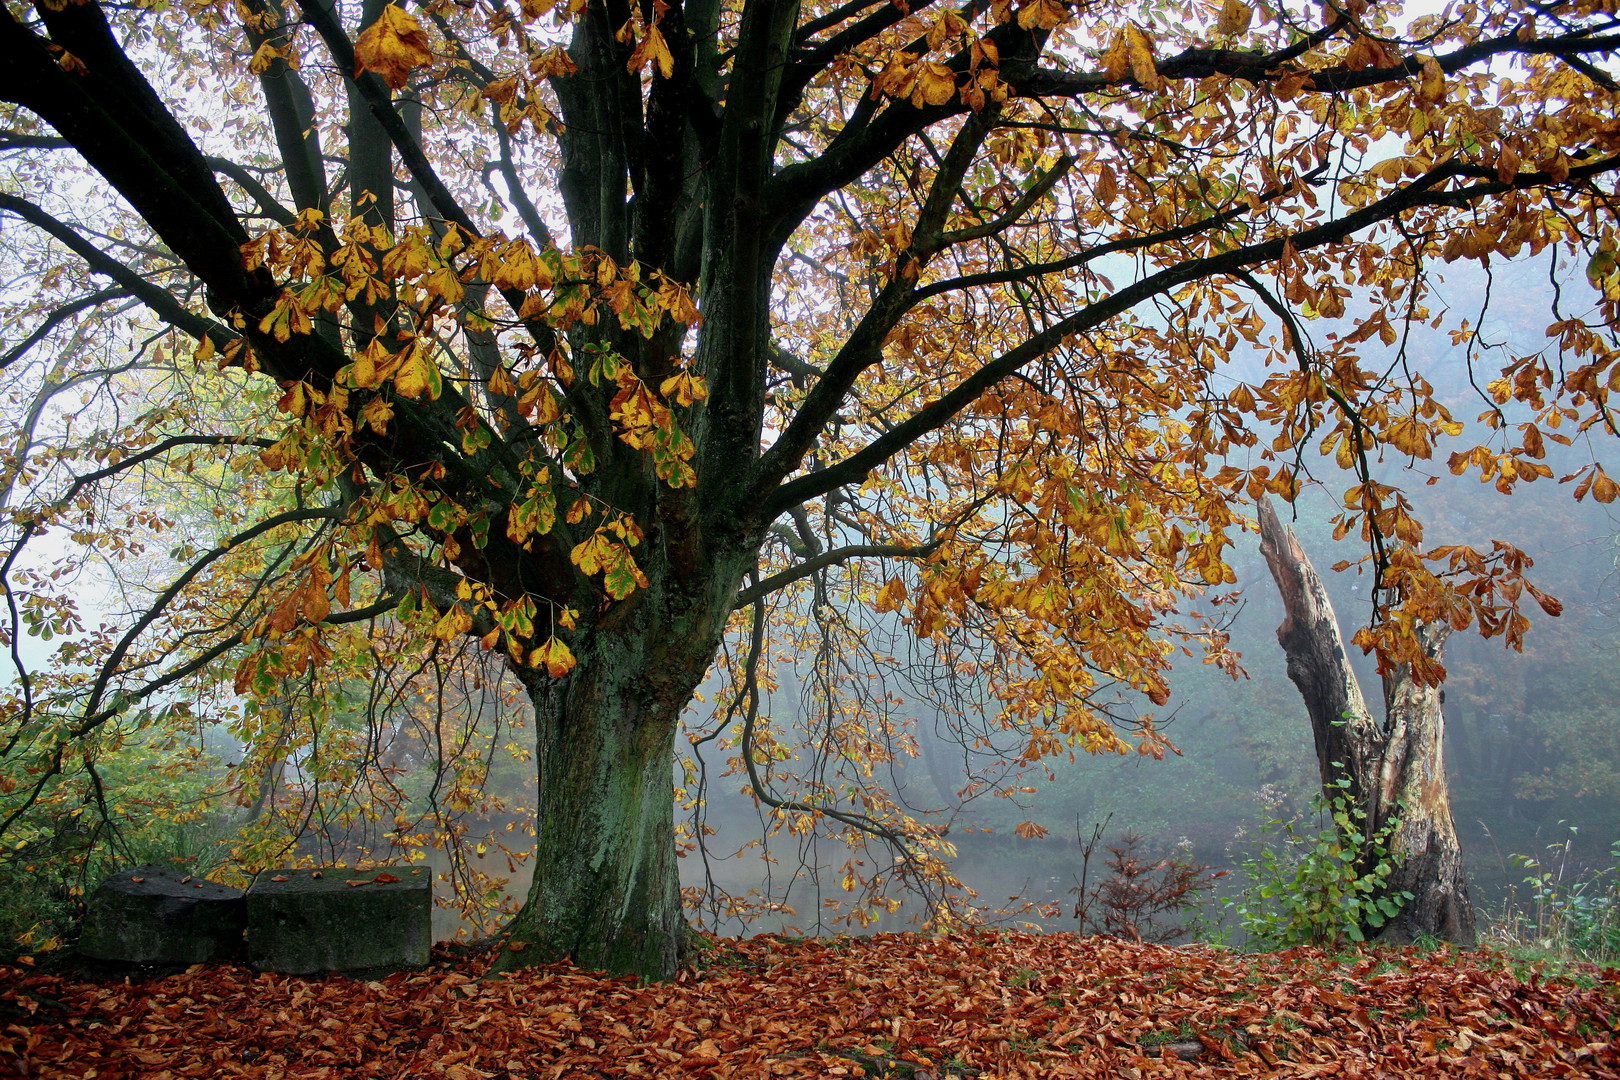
pixel 606 889
pixel 606 892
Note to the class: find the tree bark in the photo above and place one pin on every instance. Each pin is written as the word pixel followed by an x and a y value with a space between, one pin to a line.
pixel 606 888
pixel 1395 769
pixel 606 892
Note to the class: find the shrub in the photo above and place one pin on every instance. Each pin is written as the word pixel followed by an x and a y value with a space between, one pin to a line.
pixel 1139 892
pixel 1325 887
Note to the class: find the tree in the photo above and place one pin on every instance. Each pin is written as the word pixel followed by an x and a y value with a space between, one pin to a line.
pixel 602 328
pixel 1393 772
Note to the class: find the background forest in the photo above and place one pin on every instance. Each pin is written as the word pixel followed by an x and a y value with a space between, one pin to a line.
pixel 1532 738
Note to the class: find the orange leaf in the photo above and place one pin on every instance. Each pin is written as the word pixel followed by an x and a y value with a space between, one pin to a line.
pixel 392 46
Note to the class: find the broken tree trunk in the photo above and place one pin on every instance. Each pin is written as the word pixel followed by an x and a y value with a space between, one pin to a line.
pixel 1395 769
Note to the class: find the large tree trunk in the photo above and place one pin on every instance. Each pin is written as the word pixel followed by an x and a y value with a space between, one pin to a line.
pixel 606 892
pixel 1395 769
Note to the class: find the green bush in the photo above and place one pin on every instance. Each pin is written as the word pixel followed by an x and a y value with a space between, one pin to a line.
pixel 1310 888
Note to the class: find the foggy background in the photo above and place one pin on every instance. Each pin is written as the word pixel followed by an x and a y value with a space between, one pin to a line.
pixel 1532 740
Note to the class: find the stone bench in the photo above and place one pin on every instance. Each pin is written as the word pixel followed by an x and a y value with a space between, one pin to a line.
pixel 357 922
pixel 153 915
pixel 297 922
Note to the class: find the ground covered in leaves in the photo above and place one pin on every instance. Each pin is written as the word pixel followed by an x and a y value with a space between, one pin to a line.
pixel 909 1005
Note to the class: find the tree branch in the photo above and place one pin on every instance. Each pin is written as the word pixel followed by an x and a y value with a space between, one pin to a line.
pixel 1421 192
pixel 161 302
pixel 777 580
pixel 376 95
pixel 55 319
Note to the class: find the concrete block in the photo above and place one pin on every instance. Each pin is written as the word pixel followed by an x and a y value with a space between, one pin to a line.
pixel 157 915
pixel 357 922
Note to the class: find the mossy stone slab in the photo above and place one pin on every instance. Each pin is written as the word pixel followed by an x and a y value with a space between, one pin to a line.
pixel 157 915
pixel 356 922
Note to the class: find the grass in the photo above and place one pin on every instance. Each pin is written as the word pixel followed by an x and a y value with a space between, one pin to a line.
pixel 1180 1034
pixel 1557 915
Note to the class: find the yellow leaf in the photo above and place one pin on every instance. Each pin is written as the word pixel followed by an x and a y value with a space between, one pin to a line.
pixel 555 657
pixel 1507 165
pixel 685 387
pixel 1139 50
pixel 392 46
pixel 592 553
pixel 1604 490
pixel 501 383
pixel 1410 436
pixel 1042 14
pixel 417 375
pixel 455 622
pixel 1116 61
pixel 293 402
pixel 520 269
pixel 1107 186
pixel 1234 19
pixel 376 413
pixel 936 84
pixel 317 606
pixel 653 47
pixel 891 596
pixel 1432 86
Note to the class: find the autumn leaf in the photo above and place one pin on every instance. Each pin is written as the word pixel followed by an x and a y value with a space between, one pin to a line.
pixel 286 318
pixel 554 656
pixel 935 85
pixel 1116 61
pixel 804 1014
pixel 891 596
pixel 455 622
pixel 1234 18
pixel 1042 14
pixel 652 47
pixel 417 376
pixel 1604 489
pixel 1432 82
pixel 1139 55
pixel 685 388
pixel 392 46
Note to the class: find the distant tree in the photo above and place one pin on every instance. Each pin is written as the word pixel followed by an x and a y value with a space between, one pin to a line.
pixel 601 332
pixel 1393 769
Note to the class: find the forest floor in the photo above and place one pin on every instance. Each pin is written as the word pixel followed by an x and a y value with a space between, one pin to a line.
pixel 987 1004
